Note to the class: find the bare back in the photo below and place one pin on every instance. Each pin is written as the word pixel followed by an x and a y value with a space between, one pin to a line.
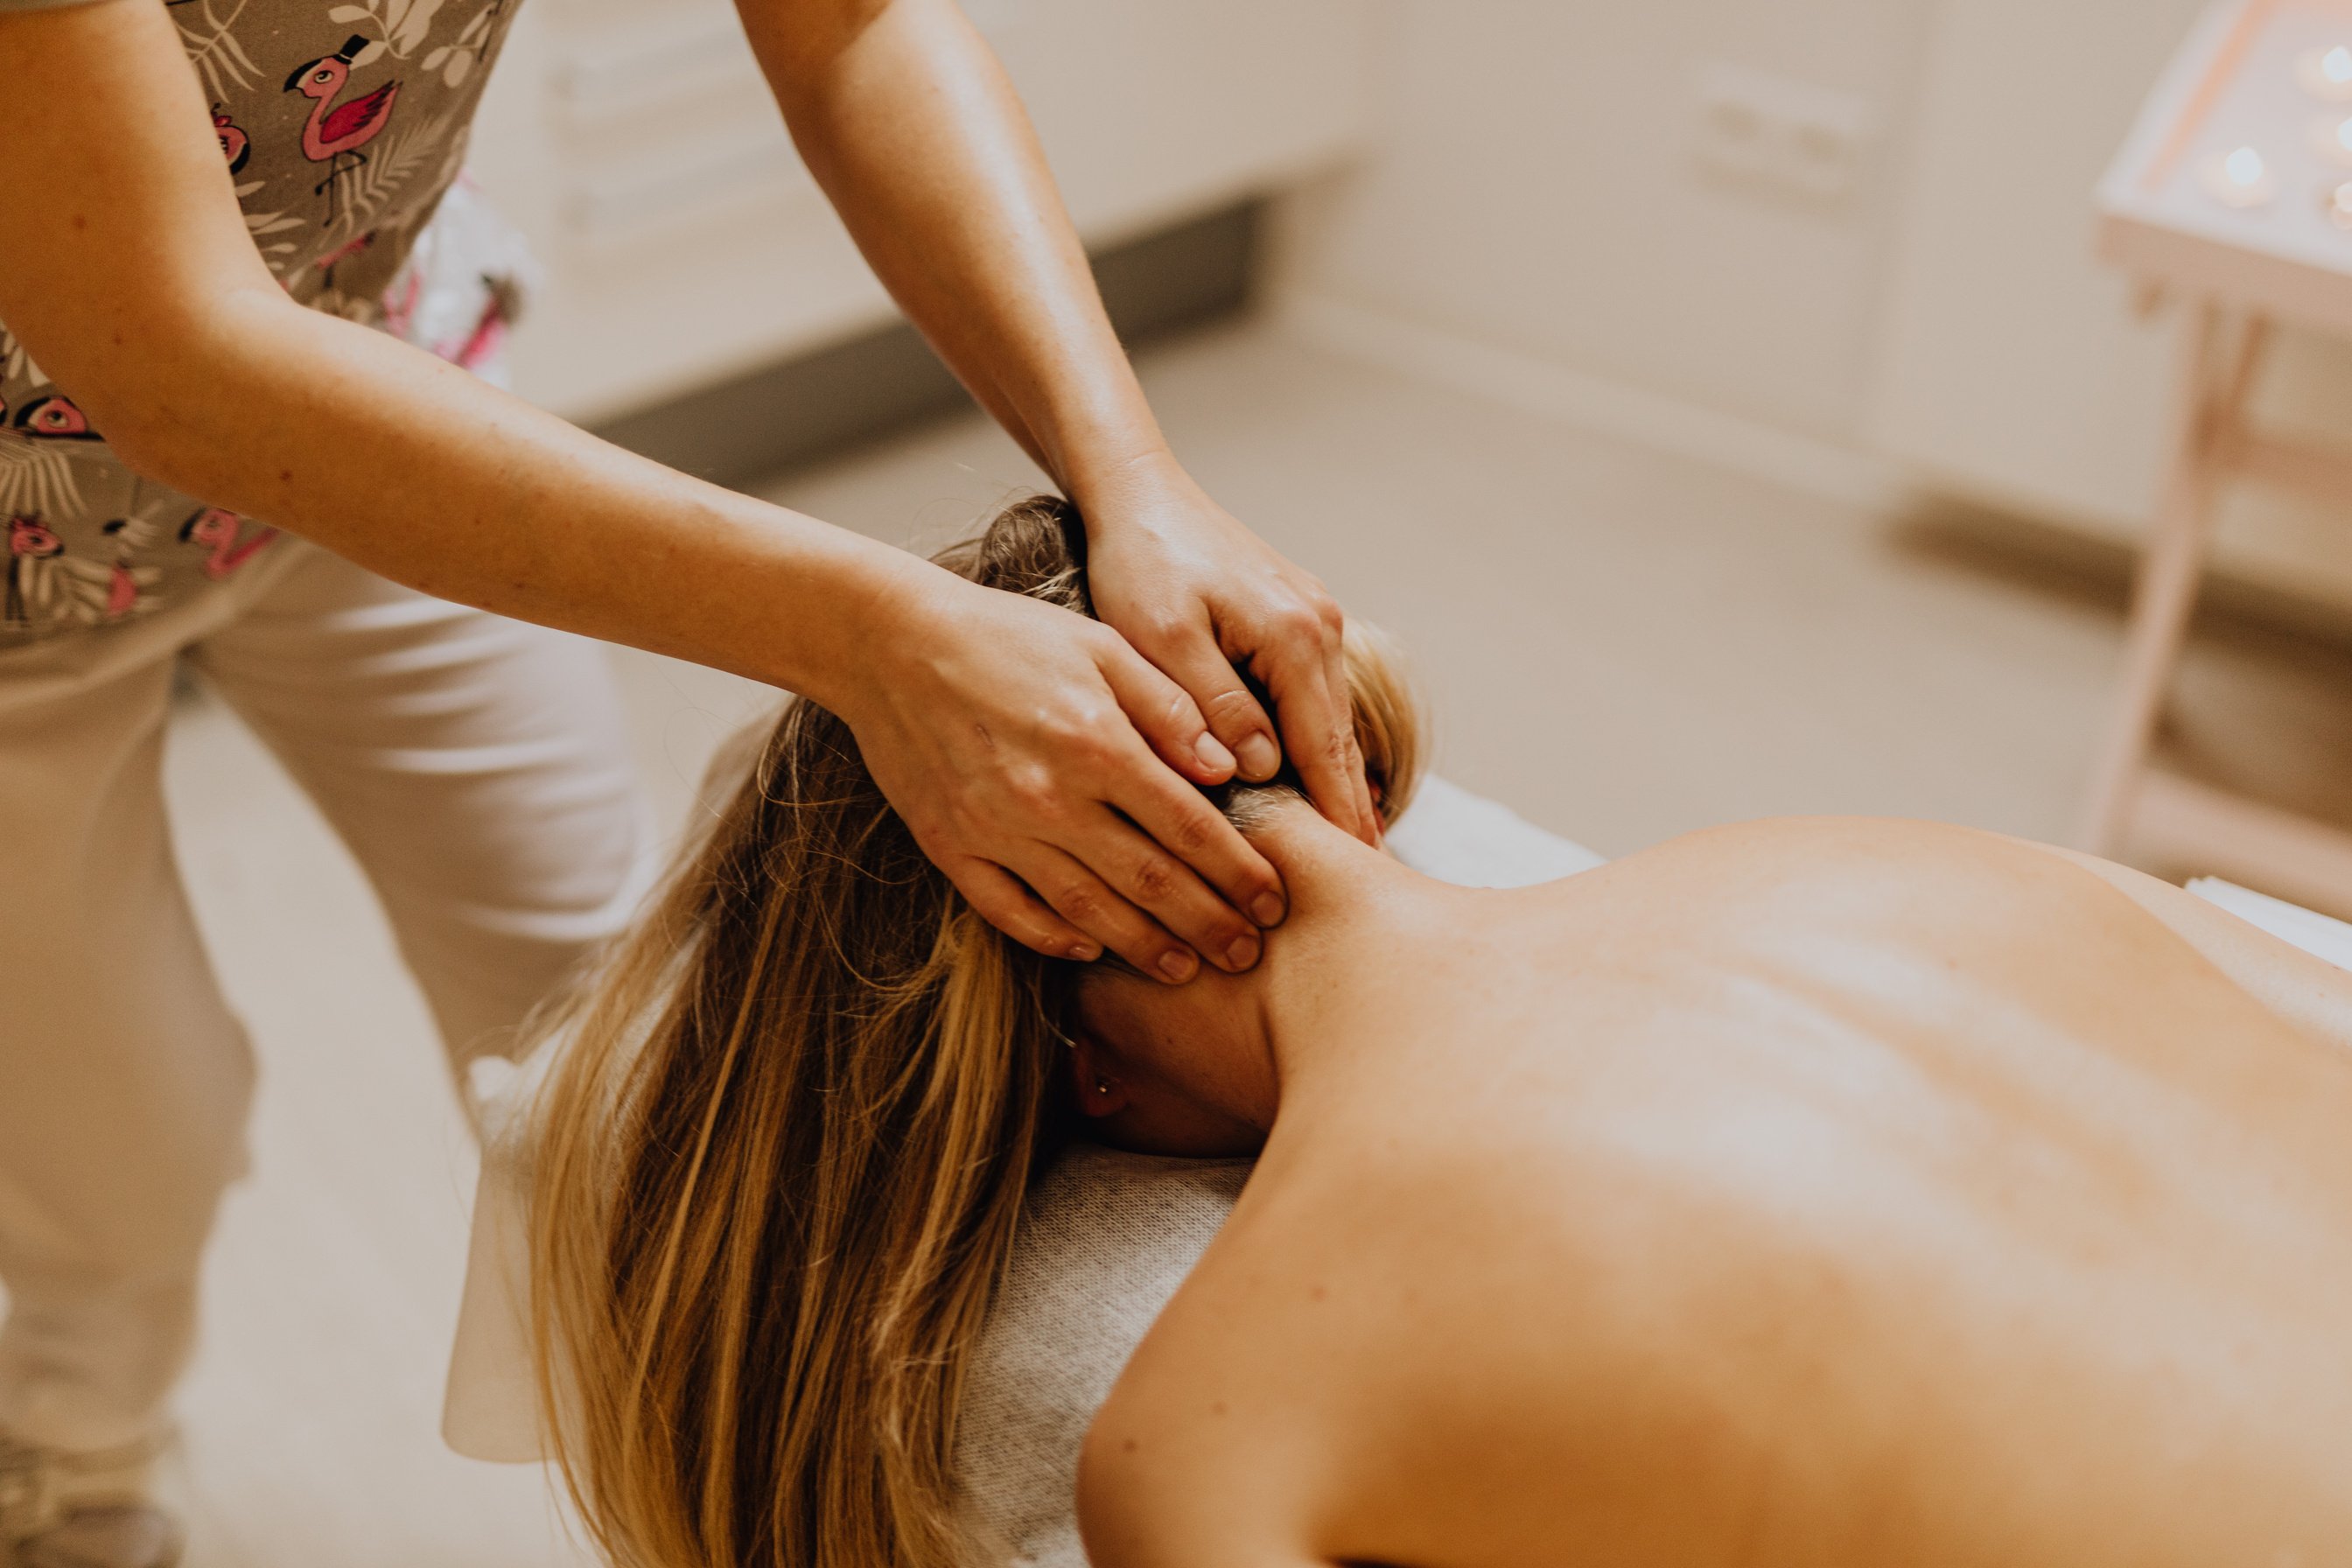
pixel 1820 1191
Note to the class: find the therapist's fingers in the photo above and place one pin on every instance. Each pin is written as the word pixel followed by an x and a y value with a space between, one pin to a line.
pixel 1343 692
pixel 1196 849
pixel 1000 898
pixel 1182 821
pixel 1188 654
pixel 1090 902
pixel 1319 732
pixel 1139 894
pixel 1163 712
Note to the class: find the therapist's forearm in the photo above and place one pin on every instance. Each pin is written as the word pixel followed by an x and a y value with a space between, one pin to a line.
pixel 422 472
pixel 905 117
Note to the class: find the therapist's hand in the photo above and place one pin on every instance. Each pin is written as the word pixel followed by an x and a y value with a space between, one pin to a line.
pixel 1197 594
pixel 1052 773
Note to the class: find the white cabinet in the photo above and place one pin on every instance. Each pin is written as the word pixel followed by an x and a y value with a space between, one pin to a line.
pixel 635 143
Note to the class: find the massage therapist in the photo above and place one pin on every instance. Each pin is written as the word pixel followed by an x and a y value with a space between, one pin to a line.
pixel 222 318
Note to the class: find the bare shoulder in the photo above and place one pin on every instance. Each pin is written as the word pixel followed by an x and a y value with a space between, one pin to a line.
pixel 1212 1446
pixel 1349 1375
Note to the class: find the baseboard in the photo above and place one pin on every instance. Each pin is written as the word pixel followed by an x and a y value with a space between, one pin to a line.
pixel 2096 568
pixel 751 427
pixel 1630 414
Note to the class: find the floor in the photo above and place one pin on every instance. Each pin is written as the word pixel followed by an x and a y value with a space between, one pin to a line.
pixel 1619 646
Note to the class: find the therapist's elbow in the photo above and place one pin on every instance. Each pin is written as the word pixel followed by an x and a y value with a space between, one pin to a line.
pixel 157 397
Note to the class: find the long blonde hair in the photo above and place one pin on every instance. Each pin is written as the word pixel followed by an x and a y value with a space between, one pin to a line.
pixel 781 1160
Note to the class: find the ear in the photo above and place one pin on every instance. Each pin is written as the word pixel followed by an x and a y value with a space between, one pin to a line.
pixel 1097 1089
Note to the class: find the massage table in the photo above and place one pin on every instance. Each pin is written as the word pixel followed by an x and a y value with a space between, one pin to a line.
pixel 1107 1238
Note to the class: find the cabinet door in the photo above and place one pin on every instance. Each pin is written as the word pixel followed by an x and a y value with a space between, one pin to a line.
pixel 635 143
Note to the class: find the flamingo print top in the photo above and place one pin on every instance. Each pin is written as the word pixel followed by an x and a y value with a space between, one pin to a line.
pixel 343 123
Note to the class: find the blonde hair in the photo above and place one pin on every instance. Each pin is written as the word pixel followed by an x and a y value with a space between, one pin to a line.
pixel 782 1157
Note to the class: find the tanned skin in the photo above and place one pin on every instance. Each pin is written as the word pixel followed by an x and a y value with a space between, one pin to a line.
pixel 1840 1193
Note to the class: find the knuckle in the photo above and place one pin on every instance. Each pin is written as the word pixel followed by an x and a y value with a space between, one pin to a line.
pixel 1080 904
pixel 1299 622
pixel 1104 644
pixel 1178 711
pixel 1190 833
pixel 1034 794
pixel 1084 729
pixel 1164 627
pixel 1231 705
pixel 1092 752
pixel 1156 877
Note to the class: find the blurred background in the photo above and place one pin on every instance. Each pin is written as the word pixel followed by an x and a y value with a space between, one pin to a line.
pixel 1725 404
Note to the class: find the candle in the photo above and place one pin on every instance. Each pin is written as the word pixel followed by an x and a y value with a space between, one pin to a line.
pixel 2241 178
pixel 2326 73
pixel 2331 138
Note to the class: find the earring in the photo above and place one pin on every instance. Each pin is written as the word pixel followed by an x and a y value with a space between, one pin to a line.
pixel 1102 1086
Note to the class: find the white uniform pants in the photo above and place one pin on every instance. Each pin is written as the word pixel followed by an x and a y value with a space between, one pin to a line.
pixel 475 766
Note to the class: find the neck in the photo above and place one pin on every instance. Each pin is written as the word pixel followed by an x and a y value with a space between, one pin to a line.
pixel 1350 903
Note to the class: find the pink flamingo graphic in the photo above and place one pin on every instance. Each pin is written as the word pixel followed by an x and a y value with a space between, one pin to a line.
pixel 31 542
pixel 235 145
pixel 54 418
pixel 125 583
pixel 217 527
pixel 334 133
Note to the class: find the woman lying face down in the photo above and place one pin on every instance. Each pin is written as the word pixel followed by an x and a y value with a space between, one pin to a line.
pixel 1823 1193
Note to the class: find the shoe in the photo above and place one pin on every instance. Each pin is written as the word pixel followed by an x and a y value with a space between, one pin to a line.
pixel 60 1509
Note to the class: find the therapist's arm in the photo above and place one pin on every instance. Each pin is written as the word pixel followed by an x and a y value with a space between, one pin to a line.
pixel 995 723
pixel 906 120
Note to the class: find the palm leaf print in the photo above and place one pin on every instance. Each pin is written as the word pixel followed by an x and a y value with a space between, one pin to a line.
pixel 400 24
pixel 259 225
pixel 36 477
pixel 15 365
pixel 370 187
pixel 213 48
pixel 455 61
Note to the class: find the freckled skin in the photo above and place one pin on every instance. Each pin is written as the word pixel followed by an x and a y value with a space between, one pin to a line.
pixel 1813 1192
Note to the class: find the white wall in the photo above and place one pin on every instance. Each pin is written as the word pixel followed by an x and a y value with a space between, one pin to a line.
pixel 1532 220
pixel 637 145
pixel 2015 366
pixel 1534 188
pixel 2013 362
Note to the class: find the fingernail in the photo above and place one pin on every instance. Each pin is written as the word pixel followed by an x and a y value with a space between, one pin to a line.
pixel 1268 910
pixel 1243 953
pixel 1178 965
pixel 1213 753
pixel 1259 757
pixel 1085 952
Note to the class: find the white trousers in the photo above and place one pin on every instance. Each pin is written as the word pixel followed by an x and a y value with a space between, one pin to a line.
pixel 475 767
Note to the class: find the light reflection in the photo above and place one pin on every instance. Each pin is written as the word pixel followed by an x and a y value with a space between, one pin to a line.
pixel 2327 74
pixel 2241 178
